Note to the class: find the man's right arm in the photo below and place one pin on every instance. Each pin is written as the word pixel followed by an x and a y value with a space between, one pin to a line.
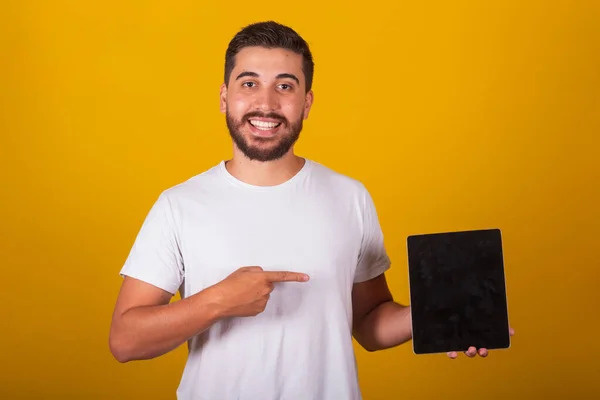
pixel 145 324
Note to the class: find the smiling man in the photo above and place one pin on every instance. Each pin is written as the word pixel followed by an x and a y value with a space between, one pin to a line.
pixel 279 260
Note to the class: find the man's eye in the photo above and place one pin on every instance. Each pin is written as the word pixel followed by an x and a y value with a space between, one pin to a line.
pixel 248 84
pixel 285 86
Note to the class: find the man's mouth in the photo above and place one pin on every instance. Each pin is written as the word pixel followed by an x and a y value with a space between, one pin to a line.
pixel 264 125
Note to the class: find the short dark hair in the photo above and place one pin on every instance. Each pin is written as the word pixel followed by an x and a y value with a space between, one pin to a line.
pixel 270 35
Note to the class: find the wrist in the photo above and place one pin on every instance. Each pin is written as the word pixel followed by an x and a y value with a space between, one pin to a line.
pixel 215 303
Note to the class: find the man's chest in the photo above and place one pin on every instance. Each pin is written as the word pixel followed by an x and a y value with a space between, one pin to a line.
pixel 320 237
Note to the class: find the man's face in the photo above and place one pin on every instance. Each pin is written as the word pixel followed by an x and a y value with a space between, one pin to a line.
pixel 265 102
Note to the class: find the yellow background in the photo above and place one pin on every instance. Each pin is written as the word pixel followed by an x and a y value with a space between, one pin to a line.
pixel 456 115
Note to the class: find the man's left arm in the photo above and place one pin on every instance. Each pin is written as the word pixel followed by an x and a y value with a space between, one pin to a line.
pixel 378 321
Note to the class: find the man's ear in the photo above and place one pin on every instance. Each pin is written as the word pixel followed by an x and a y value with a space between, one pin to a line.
pixel 223 98
pixel 308 103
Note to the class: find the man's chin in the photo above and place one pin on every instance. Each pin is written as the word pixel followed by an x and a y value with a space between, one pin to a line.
pixel 263 153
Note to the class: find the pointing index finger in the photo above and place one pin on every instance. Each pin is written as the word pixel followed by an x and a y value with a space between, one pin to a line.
pixel 285 276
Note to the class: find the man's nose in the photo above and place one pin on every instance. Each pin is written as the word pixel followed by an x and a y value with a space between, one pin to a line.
pixel 266 100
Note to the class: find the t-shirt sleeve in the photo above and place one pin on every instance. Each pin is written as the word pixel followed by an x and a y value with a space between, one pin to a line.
pixel 155 256
pixel 373 258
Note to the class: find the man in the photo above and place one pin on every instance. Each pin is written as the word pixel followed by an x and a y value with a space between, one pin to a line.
pixel 279 260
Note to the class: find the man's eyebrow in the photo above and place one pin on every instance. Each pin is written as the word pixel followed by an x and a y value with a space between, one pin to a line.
pixel 290 76
pixel 247 73
pixel 280 76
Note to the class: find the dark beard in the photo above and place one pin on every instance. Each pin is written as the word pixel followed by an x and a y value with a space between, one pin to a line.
pixel 283 142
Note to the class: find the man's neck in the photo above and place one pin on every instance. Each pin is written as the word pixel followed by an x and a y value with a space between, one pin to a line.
pixel 264 173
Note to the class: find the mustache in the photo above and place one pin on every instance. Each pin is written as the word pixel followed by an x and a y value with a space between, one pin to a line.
pixel 258 114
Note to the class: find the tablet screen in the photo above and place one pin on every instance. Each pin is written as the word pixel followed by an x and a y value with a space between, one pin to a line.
pixel 457 291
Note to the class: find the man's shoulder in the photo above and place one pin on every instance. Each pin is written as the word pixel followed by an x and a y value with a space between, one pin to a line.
pixel 192 186
pixel 337 180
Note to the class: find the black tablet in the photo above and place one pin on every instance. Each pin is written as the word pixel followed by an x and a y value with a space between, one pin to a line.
pixel 457 291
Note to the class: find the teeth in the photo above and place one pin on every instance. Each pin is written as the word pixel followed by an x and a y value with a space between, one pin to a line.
pixel 264 125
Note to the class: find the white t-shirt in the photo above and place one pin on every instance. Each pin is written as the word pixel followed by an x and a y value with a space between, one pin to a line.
pixel 319 222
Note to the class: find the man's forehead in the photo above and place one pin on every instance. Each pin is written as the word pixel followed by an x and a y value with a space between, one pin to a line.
pixel 265 58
